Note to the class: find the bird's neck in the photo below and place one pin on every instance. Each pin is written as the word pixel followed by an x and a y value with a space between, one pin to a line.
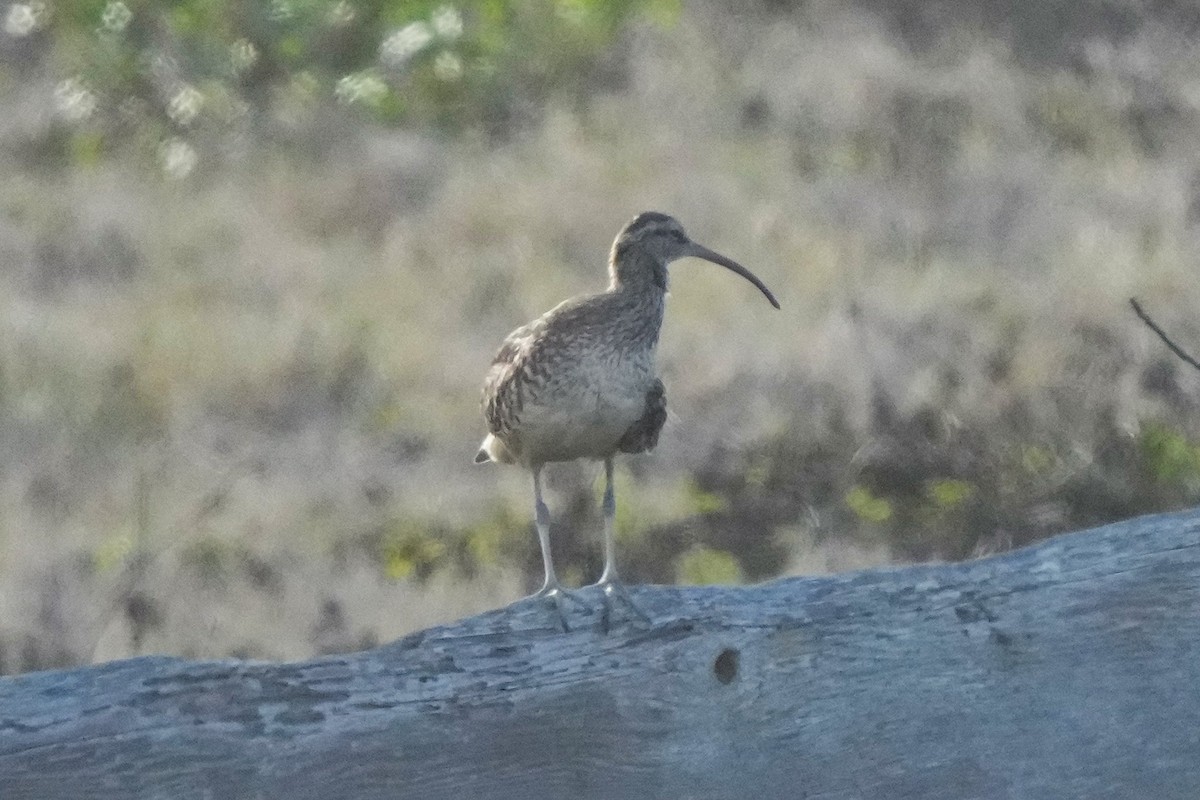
pixel 640 284
pixel 631 269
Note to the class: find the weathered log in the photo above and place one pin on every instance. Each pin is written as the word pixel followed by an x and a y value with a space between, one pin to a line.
pixel 1070 669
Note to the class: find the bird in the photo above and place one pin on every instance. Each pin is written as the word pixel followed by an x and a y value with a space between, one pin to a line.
pixel 579 382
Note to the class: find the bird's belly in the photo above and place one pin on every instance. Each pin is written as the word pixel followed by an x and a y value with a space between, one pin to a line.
pixel 586 422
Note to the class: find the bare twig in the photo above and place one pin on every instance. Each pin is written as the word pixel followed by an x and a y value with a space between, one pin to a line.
pixel 1176 349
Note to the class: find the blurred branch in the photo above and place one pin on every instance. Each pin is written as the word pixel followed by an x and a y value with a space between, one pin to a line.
pixel 1176 349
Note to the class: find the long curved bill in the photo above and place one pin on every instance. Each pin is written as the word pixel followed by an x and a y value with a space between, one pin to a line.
pixel 700 251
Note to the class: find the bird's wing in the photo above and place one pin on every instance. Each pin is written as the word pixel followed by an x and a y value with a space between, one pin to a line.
pixel 503 393
pixel 643 434
pixel 528 353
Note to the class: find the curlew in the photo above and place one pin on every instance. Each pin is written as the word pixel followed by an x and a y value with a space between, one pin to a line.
pixel 580 381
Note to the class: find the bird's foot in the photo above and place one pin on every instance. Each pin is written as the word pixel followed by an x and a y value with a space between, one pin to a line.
pixel 556 594
pixel 615 592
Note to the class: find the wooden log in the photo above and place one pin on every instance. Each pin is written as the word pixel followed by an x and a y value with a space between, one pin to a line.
pixel 1070 669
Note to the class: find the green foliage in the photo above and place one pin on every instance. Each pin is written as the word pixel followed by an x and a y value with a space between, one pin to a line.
pixel 866 506
pixel 411 550
pixel 499 538
pixel 1037 460
pixel 949 493
pixel 1169 456
pixel 704 566
pixel 168 78
pixel 112 551
pixel 703 502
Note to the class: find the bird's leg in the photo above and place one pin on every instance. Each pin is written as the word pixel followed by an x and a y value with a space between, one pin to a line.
pixel 551 588
pixel 609 581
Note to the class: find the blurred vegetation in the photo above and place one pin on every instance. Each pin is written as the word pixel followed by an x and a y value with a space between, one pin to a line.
pixel 180 79
pixel 238 390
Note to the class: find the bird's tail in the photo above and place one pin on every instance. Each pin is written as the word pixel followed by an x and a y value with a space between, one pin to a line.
pixel 492 449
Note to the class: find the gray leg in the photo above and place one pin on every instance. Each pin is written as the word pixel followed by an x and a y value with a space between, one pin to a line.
pixel 542 521
pixel 551 588
pixel 609 581
pixel 609 507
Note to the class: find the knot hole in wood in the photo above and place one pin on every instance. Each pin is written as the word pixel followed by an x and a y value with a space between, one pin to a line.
pixel 726 665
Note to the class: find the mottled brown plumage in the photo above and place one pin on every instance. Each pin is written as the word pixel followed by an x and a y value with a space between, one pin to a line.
pixel 642 436
pixel 580 381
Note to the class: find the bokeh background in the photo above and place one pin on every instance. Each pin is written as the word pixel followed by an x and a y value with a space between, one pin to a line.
pixel 255 258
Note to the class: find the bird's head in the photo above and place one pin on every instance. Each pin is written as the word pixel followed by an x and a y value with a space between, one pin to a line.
pixel 651 241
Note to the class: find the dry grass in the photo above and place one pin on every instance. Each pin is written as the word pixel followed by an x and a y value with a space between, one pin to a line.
pixel 230 409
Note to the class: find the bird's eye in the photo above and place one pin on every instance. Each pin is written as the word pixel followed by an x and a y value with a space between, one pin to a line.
pixel 678 236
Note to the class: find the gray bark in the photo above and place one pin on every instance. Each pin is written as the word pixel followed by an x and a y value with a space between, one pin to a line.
pixel 1066 670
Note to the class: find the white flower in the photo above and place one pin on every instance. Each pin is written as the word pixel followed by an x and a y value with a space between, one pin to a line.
pixel 404 43
pixel 185 105
pixel 447 22
pixel 342 13
pixel 116 16
pixel 74 100
pixel 242 55
pixel 23 19
pixel 361 87
pixel 448 66
pixel 177 157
